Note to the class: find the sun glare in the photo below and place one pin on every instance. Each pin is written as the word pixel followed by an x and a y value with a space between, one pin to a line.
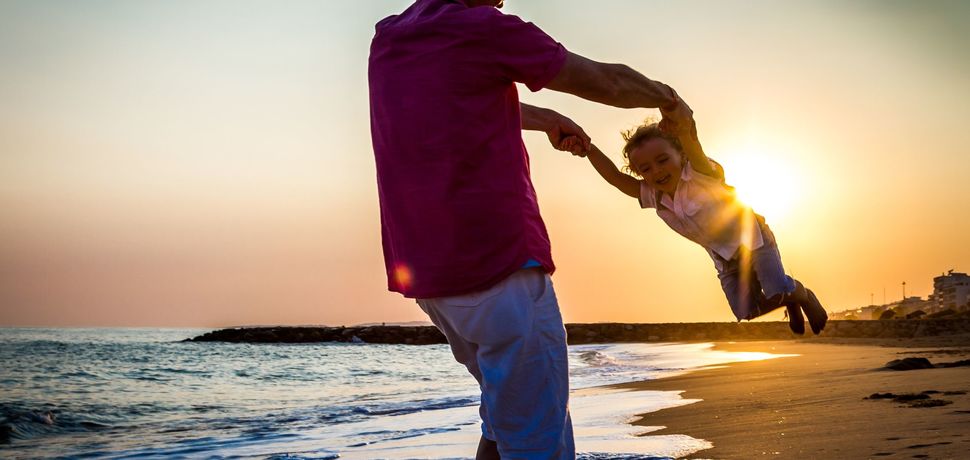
pixel 763 180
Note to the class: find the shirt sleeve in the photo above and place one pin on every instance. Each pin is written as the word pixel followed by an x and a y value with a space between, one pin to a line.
pixel 648 196
pixel 520 50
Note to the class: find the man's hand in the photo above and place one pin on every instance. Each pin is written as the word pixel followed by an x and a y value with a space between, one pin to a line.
pixel 559 128
pixel 567 136
pixel 678 118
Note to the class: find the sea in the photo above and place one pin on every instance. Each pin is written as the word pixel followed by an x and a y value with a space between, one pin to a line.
pixel 145 393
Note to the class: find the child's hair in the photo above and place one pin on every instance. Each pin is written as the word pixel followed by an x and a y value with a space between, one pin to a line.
pixel 650 129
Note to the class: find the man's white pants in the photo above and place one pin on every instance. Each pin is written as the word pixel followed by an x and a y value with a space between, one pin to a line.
pixel 511 338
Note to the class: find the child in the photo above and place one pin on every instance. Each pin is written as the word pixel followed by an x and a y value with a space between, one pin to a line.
pixel 689 193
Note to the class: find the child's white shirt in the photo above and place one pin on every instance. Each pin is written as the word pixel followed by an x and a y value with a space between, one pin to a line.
pixel 706 211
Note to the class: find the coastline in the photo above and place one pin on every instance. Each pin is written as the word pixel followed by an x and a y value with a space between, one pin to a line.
pixel 697 385
pixel 813 405
pixel 585 333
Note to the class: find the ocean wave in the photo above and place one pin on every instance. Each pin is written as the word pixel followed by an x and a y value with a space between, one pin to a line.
pixel 418 406
pixel 19 423
pixel 288 456
pixel 598 456
pixel 25 425
pixel 594 358
pixel 396 435
pixel 174 370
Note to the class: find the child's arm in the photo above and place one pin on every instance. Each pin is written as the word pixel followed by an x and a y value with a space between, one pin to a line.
pixel 607 170
pixel 687 135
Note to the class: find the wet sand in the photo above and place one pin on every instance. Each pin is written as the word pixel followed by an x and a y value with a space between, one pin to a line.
pixel 814 405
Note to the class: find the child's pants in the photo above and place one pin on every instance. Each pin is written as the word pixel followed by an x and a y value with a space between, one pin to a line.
pixel 511 338
pixel 750 278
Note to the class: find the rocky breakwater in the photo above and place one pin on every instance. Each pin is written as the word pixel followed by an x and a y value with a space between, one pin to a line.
pixel 600 332
pixel 410 335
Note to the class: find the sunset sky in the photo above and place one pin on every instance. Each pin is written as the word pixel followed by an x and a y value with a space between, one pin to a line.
pixel 208 163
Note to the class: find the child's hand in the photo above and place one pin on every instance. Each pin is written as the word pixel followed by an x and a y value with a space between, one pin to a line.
pixel 574 145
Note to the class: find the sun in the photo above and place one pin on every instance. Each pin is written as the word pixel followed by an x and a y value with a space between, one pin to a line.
pixel 763 179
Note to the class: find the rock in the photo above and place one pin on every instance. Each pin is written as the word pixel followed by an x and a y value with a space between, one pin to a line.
pixel 888 314
pixel 887 333
pixel 930 403
pixel 908 364
pixel 961 363
pixel 942 314
pixel 913 399
pixel 910 397
pixel 607 332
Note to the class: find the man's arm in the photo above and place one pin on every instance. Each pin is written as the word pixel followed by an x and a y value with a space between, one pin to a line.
pixel 607 170
pixel 557 126
pixel 616 85
pixel 536 118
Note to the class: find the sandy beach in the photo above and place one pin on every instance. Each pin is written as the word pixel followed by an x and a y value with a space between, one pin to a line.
pixel 815 405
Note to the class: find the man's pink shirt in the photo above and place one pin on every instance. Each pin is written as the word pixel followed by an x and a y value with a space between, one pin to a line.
pixel 458 209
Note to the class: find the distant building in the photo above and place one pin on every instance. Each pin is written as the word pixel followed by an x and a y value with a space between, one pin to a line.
pixel 900 308
pixel 952 291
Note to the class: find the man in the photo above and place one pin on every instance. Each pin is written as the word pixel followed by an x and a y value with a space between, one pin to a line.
pixel 460 222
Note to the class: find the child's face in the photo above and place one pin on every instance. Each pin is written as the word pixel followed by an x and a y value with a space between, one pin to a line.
pixel 659 163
